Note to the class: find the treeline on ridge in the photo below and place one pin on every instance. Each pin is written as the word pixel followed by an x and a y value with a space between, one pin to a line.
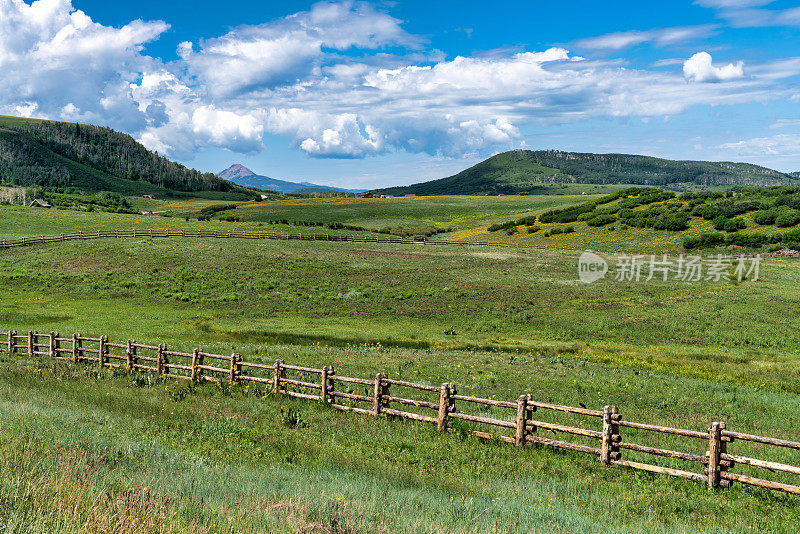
pixel 53 154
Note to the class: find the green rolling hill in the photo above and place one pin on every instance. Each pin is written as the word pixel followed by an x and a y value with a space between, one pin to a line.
pixel 92 158
pixel 527 171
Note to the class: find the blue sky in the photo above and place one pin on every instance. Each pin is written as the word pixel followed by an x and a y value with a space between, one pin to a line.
pixel 363 94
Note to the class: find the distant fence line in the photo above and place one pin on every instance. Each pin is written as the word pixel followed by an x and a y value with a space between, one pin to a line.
pixel 243 234
pixel 285 236
pixel 520 428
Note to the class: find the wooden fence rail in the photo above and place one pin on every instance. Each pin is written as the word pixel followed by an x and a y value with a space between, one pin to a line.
pixel 244 234
pixel 520 421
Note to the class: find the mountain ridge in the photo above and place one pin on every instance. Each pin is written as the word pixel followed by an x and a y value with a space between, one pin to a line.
pixel 523 171
pixel 241 175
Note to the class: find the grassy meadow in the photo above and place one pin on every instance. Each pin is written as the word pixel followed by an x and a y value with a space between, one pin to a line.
pixel 90 451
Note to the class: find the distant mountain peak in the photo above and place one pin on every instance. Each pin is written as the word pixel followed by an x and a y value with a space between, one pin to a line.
pixel 236 171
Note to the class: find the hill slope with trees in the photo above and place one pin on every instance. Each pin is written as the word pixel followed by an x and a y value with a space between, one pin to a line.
pixel 525 171
pixel 94 158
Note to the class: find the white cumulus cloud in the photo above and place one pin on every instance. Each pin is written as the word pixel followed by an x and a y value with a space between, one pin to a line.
pixel 700 68
pixel 342 79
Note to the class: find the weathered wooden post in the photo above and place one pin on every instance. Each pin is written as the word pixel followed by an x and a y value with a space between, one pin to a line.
pixel 197 361
pixel 521 421
pixel 323 395
pixel 160 360
pixel 331 384
pixel 12 349
pixel 615 435
pixel 101 352
pixel 376 401
pixel 234 370
pixel 52 343
pixel 280 373
pixel 605 448
pixel 444 407
pixel 76 348
pixel 130 350
pixel 714 449
pixel 609 449
pixel 31 334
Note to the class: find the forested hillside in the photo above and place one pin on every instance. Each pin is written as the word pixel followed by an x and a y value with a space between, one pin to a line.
pixel 93 158
pixel 523 171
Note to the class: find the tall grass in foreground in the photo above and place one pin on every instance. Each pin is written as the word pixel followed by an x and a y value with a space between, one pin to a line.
pixel 89 451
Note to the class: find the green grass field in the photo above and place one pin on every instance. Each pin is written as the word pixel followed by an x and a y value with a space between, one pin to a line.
pixel 83 451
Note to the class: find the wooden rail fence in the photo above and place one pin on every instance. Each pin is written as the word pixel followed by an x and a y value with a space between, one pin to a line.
pixel 604 433
pixel 285 236
pixel 244 234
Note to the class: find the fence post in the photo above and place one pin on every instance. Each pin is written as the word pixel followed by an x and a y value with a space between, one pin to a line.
pixel 52 343
pixel 76 348
pixel 129 354
pixel 331 384
pixel 197 360
pixel 714 442
pixel 160 360
pixel 609 450
pixel 31 333
pixel 279 374
pixel 605 448
pixel 11 348
pixel 323 395
pixel 101 352
pixel 521 420
pixel 615 436
pixel 376 403
pixel 234 361
pixel 444 407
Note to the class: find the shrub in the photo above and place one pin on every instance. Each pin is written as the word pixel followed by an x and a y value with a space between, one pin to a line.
pixel 206 213
pixel 734 225
pixel 787 217
pixel 749 240
pixel 765 216
pixel 511 231
pixel 601 220
pixel 534 229
pixel 502 226
pixel 703 241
